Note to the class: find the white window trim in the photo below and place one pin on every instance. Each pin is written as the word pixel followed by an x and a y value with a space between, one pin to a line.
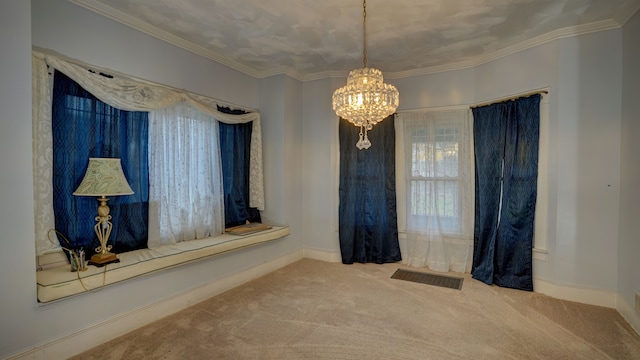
pixel 541 227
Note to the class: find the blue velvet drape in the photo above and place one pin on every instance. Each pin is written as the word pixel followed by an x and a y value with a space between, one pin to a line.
pixel 505 133
pixel 83 127
pixel 235 151
pixel 368 226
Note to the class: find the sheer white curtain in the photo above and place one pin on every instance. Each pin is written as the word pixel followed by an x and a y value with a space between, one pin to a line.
pixel 439 189
pixel 185 176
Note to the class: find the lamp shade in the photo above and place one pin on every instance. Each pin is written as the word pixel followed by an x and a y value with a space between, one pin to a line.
pixel 104 177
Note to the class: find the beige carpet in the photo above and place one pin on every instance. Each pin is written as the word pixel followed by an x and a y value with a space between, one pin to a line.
pixel 318 310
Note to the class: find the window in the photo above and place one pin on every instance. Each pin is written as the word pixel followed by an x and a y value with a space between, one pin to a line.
pixel 436 153
pixel 438 188
pixel 118 92
pixel 435 181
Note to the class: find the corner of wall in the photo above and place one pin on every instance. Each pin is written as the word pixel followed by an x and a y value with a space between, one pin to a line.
pixel 626 310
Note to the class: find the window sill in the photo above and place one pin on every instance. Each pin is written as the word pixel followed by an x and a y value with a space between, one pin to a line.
pixel 59 282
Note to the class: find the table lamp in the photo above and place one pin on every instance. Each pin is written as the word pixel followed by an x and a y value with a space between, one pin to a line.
pixel 104 177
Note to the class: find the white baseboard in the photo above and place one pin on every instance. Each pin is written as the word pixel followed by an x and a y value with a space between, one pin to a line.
pixel 577 294
pixel 323 255
pixel 628 313
pixel 95 335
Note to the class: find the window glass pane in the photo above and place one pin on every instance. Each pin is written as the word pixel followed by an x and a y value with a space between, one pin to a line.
pixel 447 200
pixel 420 153
pixel 435 187
pixel 433 197
pixel 418 197
pixel 446 156
pixel 435 154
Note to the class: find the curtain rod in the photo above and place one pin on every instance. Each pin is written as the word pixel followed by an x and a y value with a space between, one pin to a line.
pixel 510 98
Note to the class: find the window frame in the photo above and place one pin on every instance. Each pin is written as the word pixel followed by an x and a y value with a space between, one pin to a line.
pixel 453 224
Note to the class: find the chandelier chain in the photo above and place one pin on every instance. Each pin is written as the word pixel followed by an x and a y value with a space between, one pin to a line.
pixel 364 33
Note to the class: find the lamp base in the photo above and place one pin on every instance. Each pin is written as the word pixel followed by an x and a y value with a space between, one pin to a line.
pixel 103 259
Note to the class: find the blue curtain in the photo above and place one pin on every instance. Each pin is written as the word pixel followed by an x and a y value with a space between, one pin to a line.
pixel 368 225
pixel 505 134
pixel 84 127
pixel 235 144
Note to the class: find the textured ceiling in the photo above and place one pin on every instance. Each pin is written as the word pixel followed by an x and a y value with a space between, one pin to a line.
pixel 317 38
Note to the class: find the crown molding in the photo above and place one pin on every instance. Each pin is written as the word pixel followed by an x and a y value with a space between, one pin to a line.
pixel 126 19
pixel 96 6
pixel 548 37
pixel 459 65
pixel 326 75
pixel 281 70
pixel 510 50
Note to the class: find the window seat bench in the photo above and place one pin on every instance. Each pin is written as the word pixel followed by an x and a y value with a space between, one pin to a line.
pixel 59 282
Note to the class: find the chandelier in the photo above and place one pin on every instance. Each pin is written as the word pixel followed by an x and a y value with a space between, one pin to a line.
pixel 366 99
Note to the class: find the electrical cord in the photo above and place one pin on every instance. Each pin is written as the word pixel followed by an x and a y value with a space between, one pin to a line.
pixel 75 257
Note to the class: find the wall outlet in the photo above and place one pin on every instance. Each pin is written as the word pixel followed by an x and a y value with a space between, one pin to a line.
pixel 638 302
